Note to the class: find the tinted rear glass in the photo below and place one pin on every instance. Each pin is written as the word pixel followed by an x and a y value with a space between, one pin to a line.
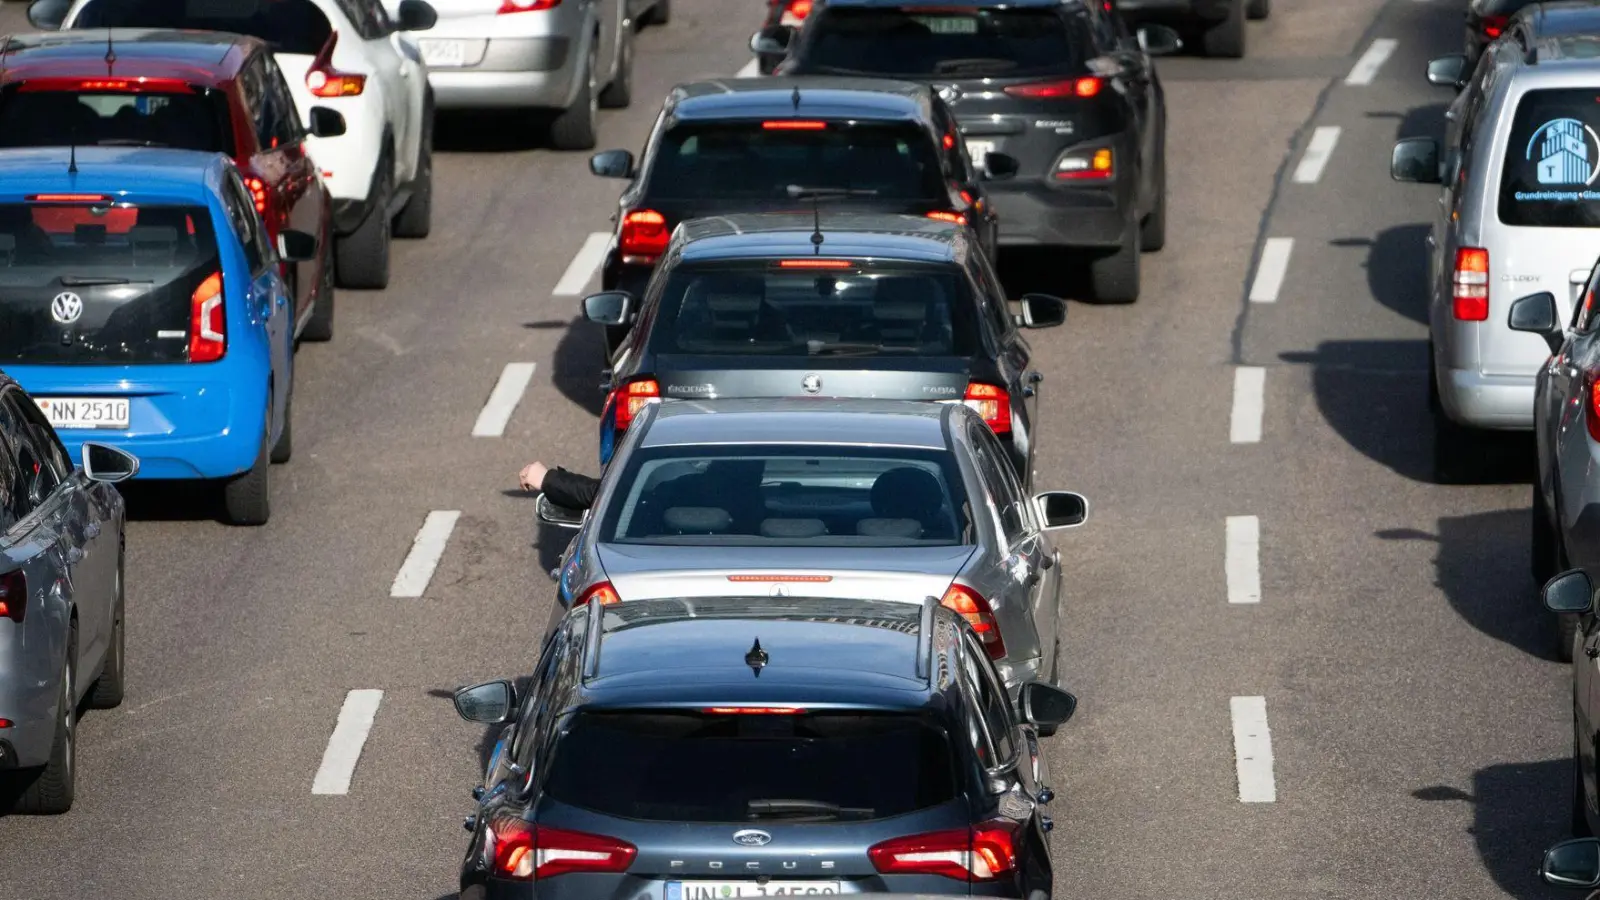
pixel 185 120
pixel 788 496
pixel 692 767
pixel 289 26
pixel 1553 161
pixel 759 308
pixel 131 269
pixel 950 43
pixel 746 161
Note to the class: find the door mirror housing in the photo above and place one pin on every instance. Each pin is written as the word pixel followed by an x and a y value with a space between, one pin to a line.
pixel 326 122
pixel 559 516
pixel 1000 166
pixel 296 246
pixel 1042 311
pixel 771 41
pixel 1574 864
pixel 1448 71
pixel 416 15
pixel 1058 510
pixel 1415 161
pixel 1569 592
pixel 47 15
pixel 490 703
pixel 107 464
pixel 1537 314
pixel 1159 40
pixel 1045 705
pixel 609 308
pixel 612 164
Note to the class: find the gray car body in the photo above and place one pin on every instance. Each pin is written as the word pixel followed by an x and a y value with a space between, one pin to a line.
pixel 1018 573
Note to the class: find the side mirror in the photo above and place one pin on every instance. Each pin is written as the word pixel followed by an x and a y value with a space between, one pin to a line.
pixel 1415 160
pixel 1042 311
pixel 416 15
pixel 559 516
pixel 326 122
pixel 1448 71
pixel 999 166
pixel 296 246
pixel 1574 863
pixel 612 164
pixel 609 308
pixel 1061 509
pixel 1159 40
pixel 771 41
pixel 1537 314
pixel 47 15
pixel 490 703
pixel 1045 705
pixel 107 464
pixel 1569 592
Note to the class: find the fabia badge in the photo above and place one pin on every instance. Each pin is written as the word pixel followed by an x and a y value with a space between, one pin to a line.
pixel 812 383
pixel 1567 152
pixel 66 307
pixel 751 837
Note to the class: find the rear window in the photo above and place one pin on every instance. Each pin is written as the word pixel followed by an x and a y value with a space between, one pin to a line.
pixel 45 113
pixel 1552 161
pixel 870 309
pixel 695 767
pixel 748 161
pixel 103 284
pixel 931 42
pixel 288 26
pixel 789 496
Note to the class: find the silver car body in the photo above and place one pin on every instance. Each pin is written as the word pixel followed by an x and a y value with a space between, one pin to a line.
pixel 1016 571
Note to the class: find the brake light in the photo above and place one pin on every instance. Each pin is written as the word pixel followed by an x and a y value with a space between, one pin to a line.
pixel 799 8
pixel 949 141
pixel 631 397
pixel 602 593
pixel 1086 165
pixel 1494 26
pixel 754 710
pixel 1471 284
pixel 984 853
pixel 943 216
pixel 816 264
pixel 258 192
pixel 208 326
pixel 325 81
pixel 1591 416
pixel 644 236
pixel 1066 87
pixel 794 125
pixel 516 6
pixel 525 852
pixel 68 198
pixel 970 605
pixel 14 595
pixel 992 403
pixel 109 85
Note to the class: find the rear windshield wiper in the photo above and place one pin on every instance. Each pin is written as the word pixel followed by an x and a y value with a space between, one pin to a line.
pixel 762 809
pixel 952 66
pixel 90 280
pixel 129 142
pixel 818 348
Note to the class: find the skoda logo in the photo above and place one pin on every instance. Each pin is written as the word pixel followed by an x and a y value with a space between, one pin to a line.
pixel 751 837
pixel 949 93
pixel 811 384
pixel 66 307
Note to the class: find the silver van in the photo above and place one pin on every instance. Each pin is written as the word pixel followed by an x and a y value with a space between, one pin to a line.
pixel 1519 213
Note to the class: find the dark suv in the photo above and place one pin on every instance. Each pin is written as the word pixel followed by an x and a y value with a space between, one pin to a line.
pixel 719 748
pixel 1215 26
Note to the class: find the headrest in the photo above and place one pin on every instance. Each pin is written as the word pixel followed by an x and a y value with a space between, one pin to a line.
pixel 793 528
pixel 697 519
pixel 152 234
pixel 889 528
pixel 89 234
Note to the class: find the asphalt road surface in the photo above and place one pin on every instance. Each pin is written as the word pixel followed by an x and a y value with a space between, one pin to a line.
pixel 1305 671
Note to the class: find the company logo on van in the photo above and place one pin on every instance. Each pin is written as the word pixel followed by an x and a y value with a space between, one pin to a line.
pixel 1567 153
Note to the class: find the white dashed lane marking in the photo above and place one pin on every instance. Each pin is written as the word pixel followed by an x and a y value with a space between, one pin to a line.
pixel 1272 269
pixel 1242 559
pixel 345 744
pixel 1366 68
pixel 1249 389
pixel 415 573
pixel 750 69
pixel 1252 750
pixel 503 400
pixel 583 265
pixel 1323 140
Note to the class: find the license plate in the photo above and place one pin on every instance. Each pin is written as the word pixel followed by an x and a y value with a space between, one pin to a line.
pixel 721 890
pixel 978 150
pixel 84 412
pixel 444 53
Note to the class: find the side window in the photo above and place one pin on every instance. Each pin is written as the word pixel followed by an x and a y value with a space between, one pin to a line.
pixel 536 707
pixel 1587 313
pixel 45 440
pixel 1001 482
pixel 246 223
pixel 14 503
pixel 996 307
pixel 951 144
pixel 994 704
pixel 380 18
pixel 284 127
pixel 36 478
pixel 252 91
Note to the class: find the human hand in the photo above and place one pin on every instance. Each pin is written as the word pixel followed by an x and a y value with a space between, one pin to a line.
pixel 532 476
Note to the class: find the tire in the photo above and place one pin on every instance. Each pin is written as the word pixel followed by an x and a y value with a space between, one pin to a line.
pixel 320 326
pixel 109 688
pixel 416 219
pixel 1543 540
pixel 51 790
pixel 1258 10
pixel 1153 230
pixel 283 448
pixel 619 93
pixel 1114 278
pixel 1580 801
pixel 574 128
pixel 660 14
pixel 246 498
pixel 361 258
pixel 1225 39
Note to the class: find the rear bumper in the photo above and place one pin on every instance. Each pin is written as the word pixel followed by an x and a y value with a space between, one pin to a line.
pixel 510 72
pixel 1035 213
pixel 1182 11
pixel 1497 402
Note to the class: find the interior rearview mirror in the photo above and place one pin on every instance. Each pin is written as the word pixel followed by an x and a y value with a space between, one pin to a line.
pixel 1042 311
pixel 490 703
pixel 1569 592
pixel 1537 314
pixel 609 308
pixel 559 516
pixel 1061 509
pixel 1448 71
pixel 1045 705
pixel 47 15
pixel 1574 863
pixel 1159 40
pixel 999 166
pixel 1415 160
pixel 771 41
pixel 108 464
pixel 416 15
pixel 326 122
pixel 612 164
pixel 296 246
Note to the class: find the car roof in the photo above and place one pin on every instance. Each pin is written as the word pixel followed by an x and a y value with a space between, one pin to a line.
pixel 885 423
pixel 820 97
pixel 129 172
pixel 206 58
pixel 845 234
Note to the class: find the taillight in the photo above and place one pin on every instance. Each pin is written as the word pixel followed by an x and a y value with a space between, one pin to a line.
pixel 630 398
pixel 14 595
pixel 985 853
pixel 1592 408
pixel 644 236
pixel 258 193
pixel 516 6
pixel 1067 87
pixel 943 216
pixel 138 85
pixel 799 8
pixel 970 605
pixel 1494 26
pixel 1471 292
pixel 602 593
pixel 992 403
pixel 794 125
pixel 208 326
pixel 1086 165
pixel 324 81
pixel 526 852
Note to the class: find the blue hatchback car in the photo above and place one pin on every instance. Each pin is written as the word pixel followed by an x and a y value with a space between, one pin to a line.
pixel 141 305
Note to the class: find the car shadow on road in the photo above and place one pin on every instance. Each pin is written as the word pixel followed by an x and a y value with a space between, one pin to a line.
pixel 1418 121
pixel 1397 268
pixel 580 357
pixel 1518 810
pixel 1028 271
pixel 172 501
pixel 488 131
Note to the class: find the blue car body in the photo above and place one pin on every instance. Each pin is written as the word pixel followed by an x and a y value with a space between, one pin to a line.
pixel 186 420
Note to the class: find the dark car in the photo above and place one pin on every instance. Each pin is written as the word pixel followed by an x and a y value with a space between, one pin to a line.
pixel 781 14
pixel 1486 20
pixel 868 306
pixel 1215 27
pixel 188 90
pixel 1062 88
pixel 740 145
pixel 720 748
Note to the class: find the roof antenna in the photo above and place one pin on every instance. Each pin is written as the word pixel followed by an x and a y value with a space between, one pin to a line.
pixel 816 225
pixel 795 98
pixel 757 658
pixel 111 53
pixel 72 154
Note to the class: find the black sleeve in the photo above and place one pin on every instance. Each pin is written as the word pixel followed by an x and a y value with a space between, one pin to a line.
pixel 569 489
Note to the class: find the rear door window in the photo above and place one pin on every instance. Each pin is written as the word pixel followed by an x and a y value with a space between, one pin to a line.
pixel 1553 161
pixel 46 442
pixel 52 112
pixel 946 42
pixel 38 478
pixel 288 26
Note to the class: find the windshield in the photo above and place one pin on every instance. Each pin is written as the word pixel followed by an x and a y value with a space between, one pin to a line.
pixel 671 766
pixel 922 42
pixel 106 284
pixel 185 119
pixel 288 26
pixel 799 496
pixel 870 309
pixel 1552 161
pixel 744 160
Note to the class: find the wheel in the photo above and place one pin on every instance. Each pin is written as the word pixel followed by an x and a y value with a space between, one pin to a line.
pixel 1153 230
pixel 1543 542
pixel 320 326
pixel 283 448
pixel 574 128
pixel 246 498
pixel 416 219
pixel 660 14
pixel 1580 798
pixel 1225 39
pixel 619 93
pixel 1259 9
pixel 361 258
pixel 108 689
pixel 1114 278
pixel 51 791
pixel 1055 679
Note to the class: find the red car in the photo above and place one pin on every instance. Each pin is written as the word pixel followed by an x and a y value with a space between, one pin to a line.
pixel 189 90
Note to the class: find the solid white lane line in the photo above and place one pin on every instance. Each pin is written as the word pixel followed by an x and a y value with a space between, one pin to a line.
pixel 1252 750
pixel 417 570
pixel 344 745
pixel 1366 68
pixel 751 69
pixel 1271 270
pixel 503 400
pixel 1323 140
pixel 1242 559
pixel 583 265
pixel 1249 396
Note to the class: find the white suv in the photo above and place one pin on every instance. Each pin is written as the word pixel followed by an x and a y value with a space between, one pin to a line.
pixel 348 55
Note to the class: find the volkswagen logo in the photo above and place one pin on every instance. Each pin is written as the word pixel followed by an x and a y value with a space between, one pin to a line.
pixel 66 307
pixel 812 383
pixel 751 837
pixel 949 93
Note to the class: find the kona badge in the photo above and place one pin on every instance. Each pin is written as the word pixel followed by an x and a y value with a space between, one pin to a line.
pixel 66 307
pixel 751 837
pixel 812 383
